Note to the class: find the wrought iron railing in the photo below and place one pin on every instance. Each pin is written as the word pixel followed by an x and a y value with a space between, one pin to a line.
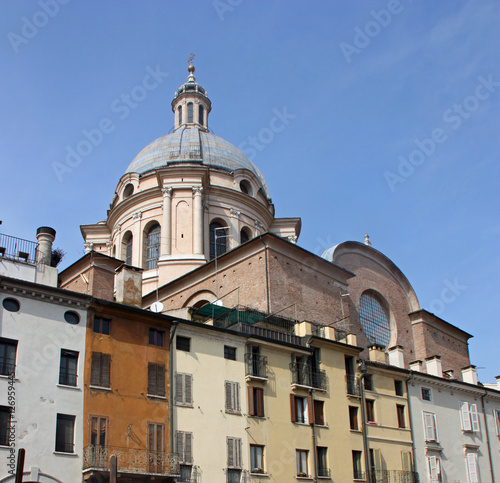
pixel 393 476
pixel 130 460
pixel 256 365
pixel 269 334
pixel 67 378
pixel 304 375
pixel 352 385
pixel 320 331
pixel 324 472
pixel 7 367
pixel 17 249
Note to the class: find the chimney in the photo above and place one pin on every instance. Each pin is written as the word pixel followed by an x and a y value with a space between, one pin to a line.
pixel 449 374
pixel 433 366
pixel 416 366
pixel 128 285
pixel 396 357
pixel 376 353
pixel 498 382
pixel 469 374
pixel 45 236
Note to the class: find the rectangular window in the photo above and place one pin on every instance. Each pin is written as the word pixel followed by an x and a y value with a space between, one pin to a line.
pixel 156 337
pixel 426 394
pixel 353 418
pixel 401 416
pixel 8 350
pixel 434 469
pixel 472 467
pixel 255 401
pixel 368 380
pixel 468 417
pixel 183 343
pixel 319 416
pixel 233 452
pixel 398 388
pixel 357 465
pixel 185 447
pixel 100 370
pixel 156 447
pixel 301 409
pixel 186 472
pixel 68 368
pixel 101 325
pixel 256 458
pixel 370 410
pixel 5 415
pixel 156 380
pixel 322 457
pixel 98 430
pixel 232 391
pixel 183 389
pixel 229 353
pixel 65 433
pixel 496 414
pixel 430 426
pixel 302 456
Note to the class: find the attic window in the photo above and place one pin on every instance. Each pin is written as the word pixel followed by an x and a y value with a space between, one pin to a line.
pixel 128 191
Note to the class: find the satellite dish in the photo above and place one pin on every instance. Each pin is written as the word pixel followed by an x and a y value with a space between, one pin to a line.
pixel 217 302
pixel 157 307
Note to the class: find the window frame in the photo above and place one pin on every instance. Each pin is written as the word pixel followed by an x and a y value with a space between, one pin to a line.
pixel 5 420
pixel 181 342
pixel 100 372
pixel 232 397
pixel 60 429
pixel 472 464
pixel 156 337
pixel 357 464
pixel 68 355
pixel 183 389
pixel 370 410
pixel 319 412
pixel 353 418
pixel 8 369
pixel 399 388
pixel 304 416
pixel 255 401
pixel 368 382
pixel 103 325
pixel 184 447
pixel 322 460
pixel 469 417
pixel 233 446
pixel 400 411
pixel 422 389
pixel 427 416
pixel 98 419
pixel 302 463
pixel 256 452
pixel 156 380
pixel 229 353
pixel 434 468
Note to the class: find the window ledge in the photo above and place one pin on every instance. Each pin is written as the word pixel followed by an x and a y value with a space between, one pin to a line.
pixel 264 475
pixel 300 424
pixel 61 453
pixel 256 417
pixel 74 388
pixel 184 405
pixel 304 478
pixel 101 388
pixel 237 413
pixel 249 377
pixel 156 396
pixel 2 446
pixel 324 477
pixel 8 378
pixel 322 426
pixel 356 431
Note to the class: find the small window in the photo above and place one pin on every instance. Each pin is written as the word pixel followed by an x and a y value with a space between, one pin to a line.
pixel 65 433
pixel 71 317
pixel 426 394
pixel 12 305
pixel 232 393
pixel 128 191
pixel 302 456
pixel 230 353
pixel 68 368
pixel 245 187
pixel 156 380
pixel 256 458
pixel 101 325
pixel 5 416
pixel 255 401
pixel 319 415
pixel 183 343
pixel 401 416
pixel 368 379
pixel 353 418
pixel 370 410
pixel 8 349
pixel 156 337
pixel 190 112
pixel 398 388
pixel 200 114
pixel 100 370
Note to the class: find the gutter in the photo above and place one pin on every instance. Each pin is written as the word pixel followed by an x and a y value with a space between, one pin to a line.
pixel 487 437
pixel 315 475
pixel 171 408
pixel 364 423
pixel 408 379
pixel 267 273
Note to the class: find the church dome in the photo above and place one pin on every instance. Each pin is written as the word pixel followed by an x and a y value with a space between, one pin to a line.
pixel 192 145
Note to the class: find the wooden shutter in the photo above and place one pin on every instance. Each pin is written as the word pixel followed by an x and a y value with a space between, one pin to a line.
pixel 259 393
pixel 152 379
pixel 251 409
pixel 179 388
pixel 496 414
pixel 377 460
pixel 237 406
pixel 310 410
pixel 474 417
pixel 160 380
pixel 293 409
pixel 237 447
pixel 180 446
pixel 319 417
pixel 228 391
pixel 406 461
pixel 230 452
pixel 95 370
pixel 188 447
pixel 94 440
pixel 188 389
pixel 464 416
pixel 434 467
pixel 105 365
pixel 472 468
pixel 430 433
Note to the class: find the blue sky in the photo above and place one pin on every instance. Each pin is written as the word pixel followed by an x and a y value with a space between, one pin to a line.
pixel 392 129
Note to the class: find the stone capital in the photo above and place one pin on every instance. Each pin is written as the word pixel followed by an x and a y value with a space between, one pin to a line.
pixel 88 246
pixel 259 225
pixel 292 239
pixel 167 192
pixel 197 190
pixel 137 216
pixel 235 213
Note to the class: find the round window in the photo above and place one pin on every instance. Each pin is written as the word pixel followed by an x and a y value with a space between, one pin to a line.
pixel 245 187
pixel 71 317
pixel 374 320
pixel 12 305
pixel 128 191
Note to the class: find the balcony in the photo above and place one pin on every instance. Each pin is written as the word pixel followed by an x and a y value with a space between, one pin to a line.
pixel 352 386
pixel 131 462
pixel 324 472
pixel 256 366
pixel 304 376
pixel 393 476
pixel 17 249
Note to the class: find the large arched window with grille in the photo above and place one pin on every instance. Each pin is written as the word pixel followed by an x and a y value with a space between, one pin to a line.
pixel 218 239
pixel 200 114
pixel 180 115
pixel 374 318
pixel 190 112
pixel 153 246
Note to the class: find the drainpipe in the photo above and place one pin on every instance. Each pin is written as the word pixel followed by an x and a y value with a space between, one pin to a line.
pixel 267 274
pixel 315 476
pixel 408 379
pixel 171 356
pixel 487 437
pixel 363 369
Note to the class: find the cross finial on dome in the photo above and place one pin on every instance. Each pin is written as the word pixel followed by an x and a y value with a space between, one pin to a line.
pixel 191 77
pixel 367 240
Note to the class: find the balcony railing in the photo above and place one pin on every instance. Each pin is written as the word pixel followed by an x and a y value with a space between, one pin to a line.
pixel 256 365
pixel 137 461
pixel 393 476
pixel 17 249
pixel 319 331
pixel 67 379
pixel 352 386
pixel 7 367
pixel 324 472
pixel 304 375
